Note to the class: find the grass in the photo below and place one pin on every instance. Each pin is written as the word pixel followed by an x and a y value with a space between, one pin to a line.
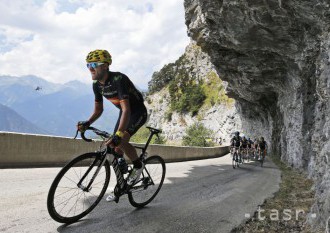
pixel 295 194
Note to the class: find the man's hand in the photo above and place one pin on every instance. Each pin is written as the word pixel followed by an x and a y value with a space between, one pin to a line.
pixel 83 125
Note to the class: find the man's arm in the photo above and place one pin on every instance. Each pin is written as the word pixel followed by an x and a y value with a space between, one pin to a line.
pixel 98 109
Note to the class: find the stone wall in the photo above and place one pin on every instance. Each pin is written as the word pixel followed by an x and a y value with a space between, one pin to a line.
pixel 275 57
pixel 28 150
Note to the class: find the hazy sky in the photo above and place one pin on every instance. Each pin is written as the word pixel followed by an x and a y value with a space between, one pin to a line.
pixel 51 39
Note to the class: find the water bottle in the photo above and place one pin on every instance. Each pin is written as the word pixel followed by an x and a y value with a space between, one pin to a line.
pixel 122 165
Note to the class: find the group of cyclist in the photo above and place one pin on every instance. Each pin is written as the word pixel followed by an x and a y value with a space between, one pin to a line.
pixel 246 147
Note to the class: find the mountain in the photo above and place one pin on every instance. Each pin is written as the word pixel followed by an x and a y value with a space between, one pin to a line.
pixel 11 121
pixel 189 91
pixel 15 90
pixel 54 107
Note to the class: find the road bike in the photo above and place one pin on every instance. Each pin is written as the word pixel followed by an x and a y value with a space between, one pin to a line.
pixel 244 155
pixel 82 182
pixel 237 158
pixel 259 156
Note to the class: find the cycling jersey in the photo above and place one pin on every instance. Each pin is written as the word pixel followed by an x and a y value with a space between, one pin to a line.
pixel 250 143
pixel 262 145
pixel 117 88
pixel 244 143
pixel 236 141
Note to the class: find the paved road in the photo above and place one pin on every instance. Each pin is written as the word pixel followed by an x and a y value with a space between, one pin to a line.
pixel 197 196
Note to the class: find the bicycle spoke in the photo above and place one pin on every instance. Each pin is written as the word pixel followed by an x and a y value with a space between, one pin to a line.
pixel 66 201
pixel 71 180
pixel 65 192
pixel 150 183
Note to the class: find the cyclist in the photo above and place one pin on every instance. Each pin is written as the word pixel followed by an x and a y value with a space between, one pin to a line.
pixel 255 148
pixel 118 89
pixel 244 146
pixel 262 148
pixel 236 142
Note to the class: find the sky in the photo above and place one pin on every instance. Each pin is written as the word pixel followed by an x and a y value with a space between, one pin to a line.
pixel 50 39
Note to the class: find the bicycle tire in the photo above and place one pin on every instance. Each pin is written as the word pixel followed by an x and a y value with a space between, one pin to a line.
pixel 234 160
pixel 69 176
pixel 262 161
pixel 146 189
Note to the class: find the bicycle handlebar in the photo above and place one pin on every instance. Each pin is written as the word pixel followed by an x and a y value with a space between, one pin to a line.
pixel 101 133
pixel 105 134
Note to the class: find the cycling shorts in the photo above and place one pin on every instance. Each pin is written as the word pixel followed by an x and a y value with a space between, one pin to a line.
pixel 136 120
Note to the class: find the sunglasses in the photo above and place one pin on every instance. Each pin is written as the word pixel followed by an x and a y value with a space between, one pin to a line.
pixel 94 64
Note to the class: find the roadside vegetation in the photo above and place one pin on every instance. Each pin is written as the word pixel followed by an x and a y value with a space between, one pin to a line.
pixel 198 135
pixel 295 194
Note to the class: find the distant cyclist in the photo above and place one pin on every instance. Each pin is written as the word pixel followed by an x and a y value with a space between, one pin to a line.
pixel 244 142
pixel 244 146
pixel 262 148
pixel 119 90
pixel 236 142
pixel 250 145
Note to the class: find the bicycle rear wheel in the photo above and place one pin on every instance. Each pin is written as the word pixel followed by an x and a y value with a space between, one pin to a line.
pixel 66 201
pixel 152 178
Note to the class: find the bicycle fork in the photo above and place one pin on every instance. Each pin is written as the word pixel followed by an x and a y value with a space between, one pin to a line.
pixel 88 187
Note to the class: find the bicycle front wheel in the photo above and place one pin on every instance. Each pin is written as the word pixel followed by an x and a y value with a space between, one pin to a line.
pixel 66 201
pixel 235 160
pixel 151 180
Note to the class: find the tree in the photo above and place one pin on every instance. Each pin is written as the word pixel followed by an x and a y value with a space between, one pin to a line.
pixel 198 135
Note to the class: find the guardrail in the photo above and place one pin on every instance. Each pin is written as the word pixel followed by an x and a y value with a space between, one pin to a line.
pixel 31 150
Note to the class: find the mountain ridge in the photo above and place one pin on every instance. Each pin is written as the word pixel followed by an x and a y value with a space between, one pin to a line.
pixel 11 121
pixel 56 108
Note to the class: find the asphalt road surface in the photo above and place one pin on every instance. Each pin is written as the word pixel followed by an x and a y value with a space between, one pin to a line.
pixel 197 196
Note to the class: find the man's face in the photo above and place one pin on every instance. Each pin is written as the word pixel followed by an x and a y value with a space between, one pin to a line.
pixel 99 72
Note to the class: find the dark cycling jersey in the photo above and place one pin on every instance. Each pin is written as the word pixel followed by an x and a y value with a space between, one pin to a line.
pixel 236 141
pixel 118 87
pixel 262 145
pixel 244 144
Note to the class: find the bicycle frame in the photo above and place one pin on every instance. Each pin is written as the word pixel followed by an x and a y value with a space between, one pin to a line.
pixel 110 155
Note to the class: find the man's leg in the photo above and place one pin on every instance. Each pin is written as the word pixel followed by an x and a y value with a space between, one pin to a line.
pixel 131 153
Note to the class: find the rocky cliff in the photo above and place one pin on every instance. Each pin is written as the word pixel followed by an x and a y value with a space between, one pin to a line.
pixel 275 57
pixel 217 112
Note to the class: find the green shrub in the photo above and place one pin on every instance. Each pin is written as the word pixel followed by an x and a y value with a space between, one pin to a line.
pixel 214 90
pixel 186 96
pixel 198 135
pixel 168 116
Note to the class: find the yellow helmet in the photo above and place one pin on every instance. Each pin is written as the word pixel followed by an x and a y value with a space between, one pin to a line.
pixel 99 56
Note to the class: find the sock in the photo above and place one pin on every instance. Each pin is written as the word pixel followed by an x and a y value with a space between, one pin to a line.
pixel 137 163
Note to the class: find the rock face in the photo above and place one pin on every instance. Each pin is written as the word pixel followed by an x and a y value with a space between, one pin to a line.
pixel 275 57
pixel 222 118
